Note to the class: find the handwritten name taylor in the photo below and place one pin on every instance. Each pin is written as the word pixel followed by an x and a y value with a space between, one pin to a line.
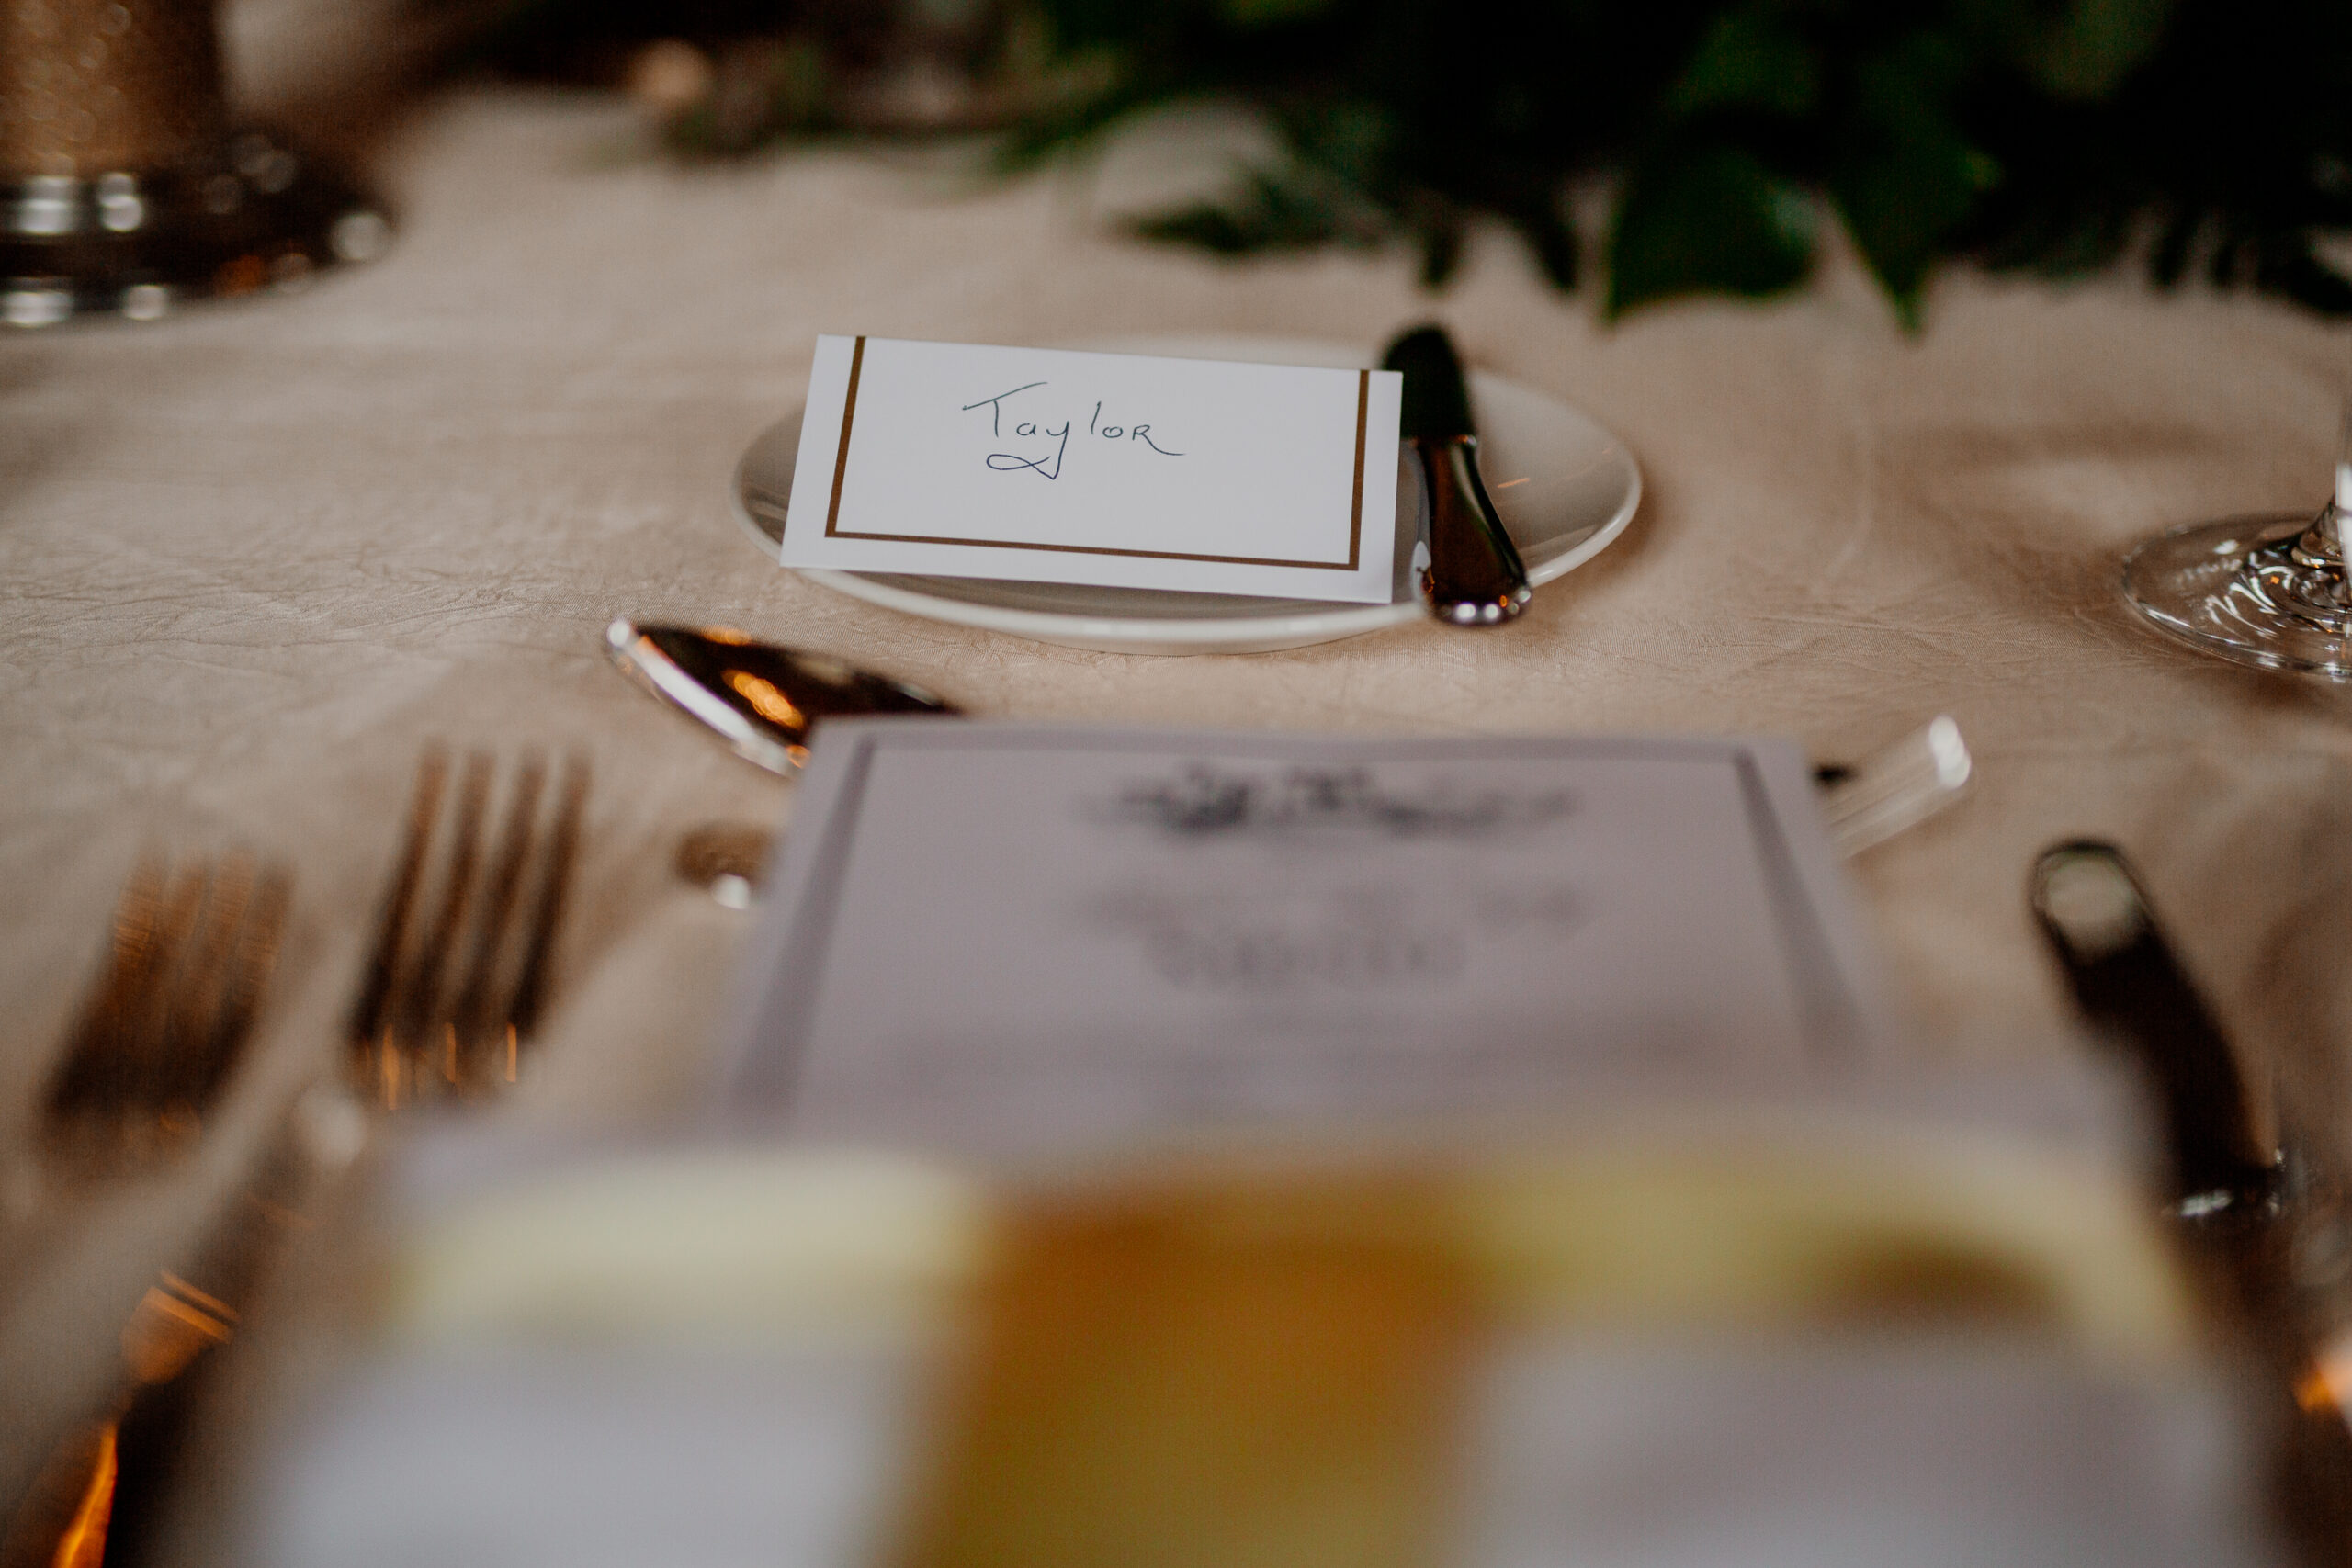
pixel 1048 461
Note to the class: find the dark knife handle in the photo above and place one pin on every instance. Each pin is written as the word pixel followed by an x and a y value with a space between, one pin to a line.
pixel 2129 984
pixel 1475 576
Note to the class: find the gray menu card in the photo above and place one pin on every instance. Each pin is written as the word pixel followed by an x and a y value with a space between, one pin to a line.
pixel 997 935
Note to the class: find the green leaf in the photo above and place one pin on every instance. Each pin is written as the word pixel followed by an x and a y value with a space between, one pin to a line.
pixel 1748 61
pixel 1704 219
pixel 2168 257
pixel 1268 212
pixel 1909 176
pixel 1089 94
pixel 2285 264
pixel 2092 45
pixel 1352 137
pixel 1900 202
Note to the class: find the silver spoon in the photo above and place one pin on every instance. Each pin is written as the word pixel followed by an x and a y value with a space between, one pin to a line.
pixel 763 700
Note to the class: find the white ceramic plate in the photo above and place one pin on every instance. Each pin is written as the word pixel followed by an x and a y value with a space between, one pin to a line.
pixel 1565 486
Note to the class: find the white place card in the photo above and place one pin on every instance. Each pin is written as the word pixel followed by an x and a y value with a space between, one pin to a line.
pixel 1116 470
pixel 997 936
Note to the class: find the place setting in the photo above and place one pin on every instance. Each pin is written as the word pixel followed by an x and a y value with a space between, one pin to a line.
pixel 1571 486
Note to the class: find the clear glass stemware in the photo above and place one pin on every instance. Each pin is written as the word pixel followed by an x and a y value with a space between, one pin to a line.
pixel 2264 590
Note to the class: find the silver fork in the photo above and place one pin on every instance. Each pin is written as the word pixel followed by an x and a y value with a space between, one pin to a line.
pixel 163 1027
pixel 159 1035
pixel 457 971
pixel 453 983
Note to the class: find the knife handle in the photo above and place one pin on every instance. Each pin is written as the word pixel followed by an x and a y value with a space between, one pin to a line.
pixel 2128 983
pixel 1473 576
pixel 97 1497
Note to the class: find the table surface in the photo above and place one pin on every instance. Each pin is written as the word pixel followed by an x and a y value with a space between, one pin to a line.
pixel 256 555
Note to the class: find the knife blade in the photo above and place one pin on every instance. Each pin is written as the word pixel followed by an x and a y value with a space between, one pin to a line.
pixel 1475 576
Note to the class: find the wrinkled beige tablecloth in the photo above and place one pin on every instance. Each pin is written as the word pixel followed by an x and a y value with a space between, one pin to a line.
pixel 252 558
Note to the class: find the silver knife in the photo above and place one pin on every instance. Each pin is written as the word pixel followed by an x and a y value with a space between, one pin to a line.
pixel 1475 576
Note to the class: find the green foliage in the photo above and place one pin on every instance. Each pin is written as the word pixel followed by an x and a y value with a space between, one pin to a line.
pixel 2208 136
pixel 2199 138
pixel 1706 218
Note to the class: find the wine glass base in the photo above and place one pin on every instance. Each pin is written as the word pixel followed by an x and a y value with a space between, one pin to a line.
pixel 2244 588
pixel 257 217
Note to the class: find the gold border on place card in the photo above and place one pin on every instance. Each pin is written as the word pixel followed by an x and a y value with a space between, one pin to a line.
pixel 833 530
pixel 849 411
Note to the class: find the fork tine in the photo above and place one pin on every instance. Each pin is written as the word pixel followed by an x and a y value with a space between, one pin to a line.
pixel 421 989
pixel 198 988
pixel 451 989
pixel 144 1053
pixel 472 1016
pixel 563 844
pixel 371 1009
pixel 97 1034
pixel 188 960
pixel 251 954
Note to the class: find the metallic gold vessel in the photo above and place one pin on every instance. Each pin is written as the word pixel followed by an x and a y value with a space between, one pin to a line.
pixel 124 188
